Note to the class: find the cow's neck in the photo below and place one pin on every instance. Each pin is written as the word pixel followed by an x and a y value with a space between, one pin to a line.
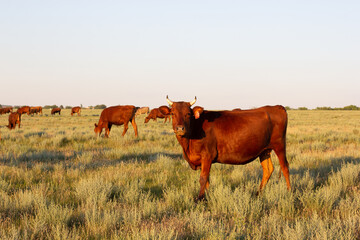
pixel 185 144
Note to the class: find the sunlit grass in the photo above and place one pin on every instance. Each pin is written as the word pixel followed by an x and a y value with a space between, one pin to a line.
pixel 57 180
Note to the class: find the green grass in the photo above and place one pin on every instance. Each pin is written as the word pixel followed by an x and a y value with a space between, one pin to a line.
pixel 59 181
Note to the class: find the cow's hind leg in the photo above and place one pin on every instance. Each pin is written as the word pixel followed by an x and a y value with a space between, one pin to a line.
pixel 107 130
pixel 284 165
pixel 125 128
pixel 268 168
pixel 133 123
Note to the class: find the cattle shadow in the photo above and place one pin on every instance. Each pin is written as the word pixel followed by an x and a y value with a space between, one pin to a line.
pixel 129 158
pixel 30 159
pixel 35 134
pixel 70 160
pixel 323 170
pixel 319 173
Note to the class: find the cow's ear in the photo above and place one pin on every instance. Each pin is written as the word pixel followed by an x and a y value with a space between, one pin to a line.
pixel 164 110
pixel 96 125
pixel 197 111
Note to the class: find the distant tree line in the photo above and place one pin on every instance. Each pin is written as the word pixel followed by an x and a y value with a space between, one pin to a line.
pixel 350 107
pixel 101 106
pixel 53 106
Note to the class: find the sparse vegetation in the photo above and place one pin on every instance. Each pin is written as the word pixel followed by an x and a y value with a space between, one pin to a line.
pixel 101 106
pixel 350 107
pixel 58 181
pixel 50 106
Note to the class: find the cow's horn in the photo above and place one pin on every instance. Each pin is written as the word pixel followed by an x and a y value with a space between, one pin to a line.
pixel 192 103
pixel 168 100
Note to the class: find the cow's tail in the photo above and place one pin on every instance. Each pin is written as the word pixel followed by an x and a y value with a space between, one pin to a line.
pixel 134 112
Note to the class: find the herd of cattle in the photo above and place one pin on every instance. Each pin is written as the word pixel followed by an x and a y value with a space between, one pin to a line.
pixel 15 117
pixel 206 137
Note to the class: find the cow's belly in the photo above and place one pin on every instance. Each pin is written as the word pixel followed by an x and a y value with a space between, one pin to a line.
pixel 236 159
pixel 241 153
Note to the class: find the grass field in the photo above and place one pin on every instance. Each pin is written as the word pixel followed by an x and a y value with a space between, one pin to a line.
pixel 58 181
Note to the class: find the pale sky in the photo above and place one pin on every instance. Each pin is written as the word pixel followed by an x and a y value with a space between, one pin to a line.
pixel 227 53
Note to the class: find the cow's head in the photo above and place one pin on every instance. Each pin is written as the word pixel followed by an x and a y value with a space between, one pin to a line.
pixel 182 114
pixel 97 129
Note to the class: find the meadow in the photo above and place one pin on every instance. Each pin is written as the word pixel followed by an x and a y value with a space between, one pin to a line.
pixel 59 181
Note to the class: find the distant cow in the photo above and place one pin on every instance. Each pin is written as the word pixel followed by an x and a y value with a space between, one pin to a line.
pixel 75 110
pixel 55 110
pixel 230 137
pixel 23 110
pixel 14 118
pixel 35 110
pixel 155 113
pixel 142 110
pixel 6 110
pixel 116 115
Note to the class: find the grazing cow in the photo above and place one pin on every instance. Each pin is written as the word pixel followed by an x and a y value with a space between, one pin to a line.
pixel 35 110
pixel 55 110
pixel 155 113
pixel 76 110
pixel 6 110
pixel 230 137
pixel 23 110
pixel 142 110
pixel 116 115
pixel 14 118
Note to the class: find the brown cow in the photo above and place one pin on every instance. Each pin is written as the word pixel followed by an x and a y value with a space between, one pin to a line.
pixel 6 110
pixel 230 137
pixel 116 115
pixel 25 109
pixel 76 110
pixel 14 118
pixel 155 113
pixel 55 110
pixel 142 110
pixel 35 110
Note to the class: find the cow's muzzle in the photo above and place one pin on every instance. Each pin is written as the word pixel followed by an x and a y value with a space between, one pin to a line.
pixel 179 130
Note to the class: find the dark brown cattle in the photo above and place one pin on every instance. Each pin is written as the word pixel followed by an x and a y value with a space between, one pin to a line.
pixel 6 110
pixel 14 118
pixel 155 113
pixel 230 137
pixel 35 110
pixel 76 110
pixel 55 110
pixel 142 110
pixel 116 115
pixel 23 110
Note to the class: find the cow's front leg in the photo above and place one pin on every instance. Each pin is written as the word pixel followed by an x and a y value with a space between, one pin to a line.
pixel 204 179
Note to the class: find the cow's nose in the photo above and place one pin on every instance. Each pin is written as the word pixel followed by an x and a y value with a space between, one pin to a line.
pixel 180 128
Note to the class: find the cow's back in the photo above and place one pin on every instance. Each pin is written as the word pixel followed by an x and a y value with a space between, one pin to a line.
pixel 142 110
pixel 118 114
pixel 25 109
